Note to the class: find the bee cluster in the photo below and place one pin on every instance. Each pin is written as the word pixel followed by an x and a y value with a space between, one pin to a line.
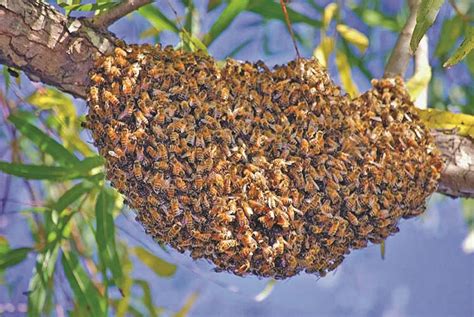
pixel 267 172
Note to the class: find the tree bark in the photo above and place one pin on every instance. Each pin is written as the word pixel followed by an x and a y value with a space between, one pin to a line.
pixel 56 50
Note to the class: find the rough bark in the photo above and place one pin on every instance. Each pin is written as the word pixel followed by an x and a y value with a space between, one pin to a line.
pixel 53 49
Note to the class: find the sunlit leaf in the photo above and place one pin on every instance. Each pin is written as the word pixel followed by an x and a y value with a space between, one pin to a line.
pixel 44 142
pixel 13 257
pixel 105 234
pixel 231 11
pixel 466 46
pixel 124 305
pixel 426 15
pixel 272 10
pixel 150 32
pixel 49 98
pixel 324 50
pixel 345 74
pixel 157 19
pixel 330 11
pixel 184 311
pixel 451 31
pixel 446 120
pixel 157 265
pixel 266 291
pixel 353 36
pixel 84 290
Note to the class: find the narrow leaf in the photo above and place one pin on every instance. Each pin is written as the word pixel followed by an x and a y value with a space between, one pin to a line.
pixel 272 10
pixel 426 15
pixel 13 257
pixel 82 286
pixel 266 291
pixel 212 4
pixel 330 11
pixel 72 195
pixel 451 30
pixel 466 46
pixel 157 19
pixel 377 19
pixel 159 266
pixel 44 172
pixel 105 234
pixel 231 11
pixel 184 311
pixel 345 74
pixel 324 50
pixel 147 298
pixel 419 81
pixel 44 142
pixel 353 36
pixel 382 250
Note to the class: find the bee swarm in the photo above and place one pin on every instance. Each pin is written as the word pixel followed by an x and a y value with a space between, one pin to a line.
pixel 267 172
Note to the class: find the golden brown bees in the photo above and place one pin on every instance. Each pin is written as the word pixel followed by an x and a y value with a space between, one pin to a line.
pixel 268 172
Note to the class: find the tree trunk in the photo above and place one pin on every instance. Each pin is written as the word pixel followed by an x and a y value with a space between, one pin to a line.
pixel 56 50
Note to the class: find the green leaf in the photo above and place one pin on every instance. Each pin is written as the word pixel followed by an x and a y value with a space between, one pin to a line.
pixel 159 266
pixel 272 10
pixel 147 298
pixel 49 98
pixel 470 62
pixel 240 47
pixel 44 142
pixel 41 282
pixel 382 250
pixel 105 234
pixel 212 4
pixel 157 19
pixel 451 31
pixel 71 195
pixel 29 171
pixel 6 78
pixel 82 286
pixel 231 11
pixel 183 312
pixel 266 291
pixel 466 46
pixel 88 6
pixel 425 17
pixel 13 257
pixel 375 18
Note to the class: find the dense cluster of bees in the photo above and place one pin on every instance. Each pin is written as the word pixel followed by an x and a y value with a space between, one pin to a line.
pixel 267 172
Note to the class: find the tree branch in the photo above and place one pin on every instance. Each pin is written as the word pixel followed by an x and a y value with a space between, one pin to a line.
pixel 399 58
pixel 51 48
pixel 104 20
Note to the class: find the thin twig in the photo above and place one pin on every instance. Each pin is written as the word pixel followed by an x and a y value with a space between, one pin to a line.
pixel 398 62
pixel 105 19
pixel 290 28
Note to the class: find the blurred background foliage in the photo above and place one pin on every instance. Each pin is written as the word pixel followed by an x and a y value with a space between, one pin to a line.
pixel 82 265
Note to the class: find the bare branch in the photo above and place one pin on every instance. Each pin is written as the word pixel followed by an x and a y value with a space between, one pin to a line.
pixel 104 20
pixel 398 62
pixel 457 178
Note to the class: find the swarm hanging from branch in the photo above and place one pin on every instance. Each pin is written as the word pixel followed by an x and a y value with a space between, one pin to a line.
pixel 259 171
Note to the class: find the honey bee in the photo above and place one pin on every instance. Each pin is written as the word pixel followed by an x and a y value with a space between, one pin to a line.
pixel 352 219
pixel 242 218
pixel 175 229
pixel 110 98
pixel 267 220
pixel 137 170
pixel 112 135
pixel 97 79
pixel 225 245
pixel 333 228
pixel 180 184
pixel 242 269
pixel 204 237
